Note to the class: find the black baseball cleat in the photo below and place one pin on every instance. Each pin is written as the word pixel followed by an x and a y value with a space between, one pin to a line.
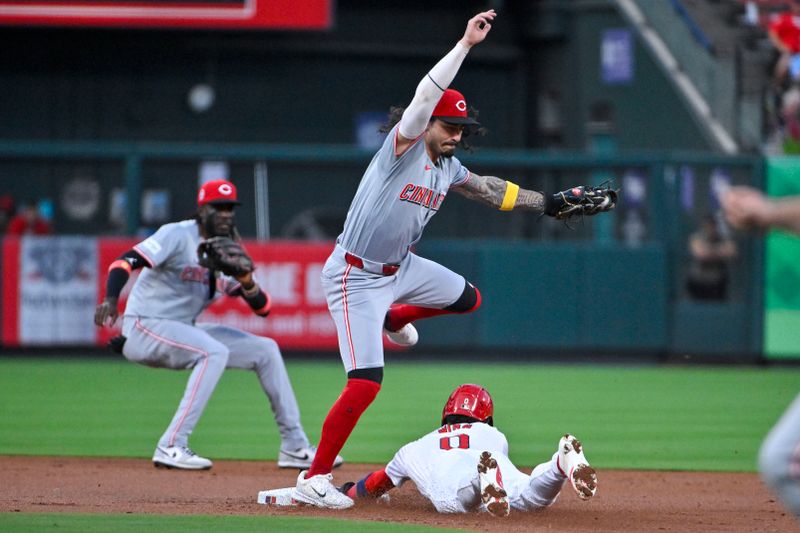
pixel 346 487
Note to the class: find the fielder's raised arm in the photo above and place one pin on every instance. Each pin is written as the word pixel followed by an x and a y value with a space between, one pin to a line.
pixel 433 84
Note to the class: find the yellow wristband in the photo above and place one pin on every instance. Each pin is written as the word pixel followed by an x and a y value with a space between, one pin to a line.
pixel 510 198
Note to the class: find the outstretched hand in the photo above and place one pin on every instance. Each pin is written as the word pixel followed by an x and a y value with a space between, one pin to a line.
pixel 478 28
pixel 746 208
pixel 106 312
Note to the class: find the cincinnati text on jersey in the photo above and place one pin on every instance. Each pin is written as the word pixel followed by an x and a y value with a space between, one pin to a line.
pixel 417 194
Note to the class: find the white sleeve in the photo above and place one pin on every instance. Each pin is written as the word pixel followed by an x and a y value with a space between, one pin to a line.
pixel 430 89
pixel 396 468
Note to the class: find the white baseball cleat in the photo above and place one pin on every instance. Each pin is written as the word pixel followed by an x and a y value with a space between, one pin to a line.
pixel 405 336
pixel 180 457
pixel 320 492
pixel 493 495
pixel 573 464
pixel 302 458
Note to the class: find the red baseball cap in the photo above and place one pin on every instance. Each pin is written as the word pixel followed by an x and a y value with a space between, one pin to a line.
pixel 452 108
pixel 217 192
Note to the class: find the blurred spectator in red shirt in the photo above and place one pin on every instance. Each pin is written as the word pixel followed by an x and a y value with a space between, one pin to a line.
pixel 784 32
pixel 27 221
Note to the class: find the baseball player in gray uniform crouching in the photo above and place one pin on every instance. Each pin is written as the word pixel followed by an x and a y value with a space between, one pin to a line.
pixel 159 328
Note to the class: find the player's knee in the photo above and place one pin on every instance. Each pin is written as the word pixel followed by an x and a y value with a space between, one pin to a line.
pixel 218 355
pixel 469 301
pixel 264 354
pixel 269 348
pixel 370 374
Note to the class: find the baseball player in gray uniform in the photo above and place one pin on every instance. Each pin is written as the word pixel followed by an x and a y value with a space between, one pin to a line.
pixel 159 328
pixel 463 465
pixel 779 457
pixel 373 283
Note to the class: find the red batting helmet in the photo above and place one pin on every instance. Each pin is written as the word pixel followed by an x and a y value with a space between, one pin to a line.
pixel 469 400
pixel 217 192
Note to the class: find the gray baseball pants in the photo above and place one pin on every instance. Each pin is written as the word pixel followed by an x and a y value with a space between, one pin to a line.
pixel 208 349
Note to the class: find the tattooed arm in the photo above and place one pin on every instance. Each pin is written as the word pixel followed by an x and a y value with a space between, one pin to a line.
pixel 493 191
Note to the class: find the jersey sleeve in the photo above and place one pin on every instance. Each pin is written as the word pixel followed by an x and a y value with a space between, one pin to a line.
pixel 389 148
pixel 396 469
pixel 459 174
pixel 160 246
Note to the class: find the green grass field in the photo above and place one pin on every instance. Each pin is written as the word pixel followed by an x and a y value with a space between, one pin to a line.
pixel 133 523
pixel 678 418
pixel 683 418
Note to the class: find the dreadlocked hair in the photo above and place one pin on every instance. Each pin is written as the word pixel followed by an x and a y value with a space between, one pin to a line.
pixel 396 113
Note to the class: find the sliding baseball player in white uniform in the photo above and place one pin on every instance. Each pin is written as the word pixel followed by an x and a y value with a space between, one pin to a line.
pixel 159 328
pixel 463 466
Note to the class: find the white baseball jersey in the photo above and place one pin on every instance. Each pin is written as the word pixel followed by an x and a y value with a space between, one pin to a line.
pixel 443 466
pixel 175 286
pixel 396 198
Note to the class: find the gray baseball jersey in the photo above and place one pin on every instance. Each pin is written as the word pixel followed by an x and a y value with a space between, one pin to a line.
pixel 396 198
pixel 443 466
pixel 159 326
pixel 175 286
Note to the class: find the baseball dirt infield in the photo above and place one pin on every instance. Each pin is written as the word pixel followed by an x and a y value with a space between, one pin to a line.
pixel 626 500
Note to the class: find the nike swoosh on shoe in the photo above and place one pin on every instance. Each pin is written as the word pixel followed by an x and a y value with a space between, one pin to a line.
pixel 303 457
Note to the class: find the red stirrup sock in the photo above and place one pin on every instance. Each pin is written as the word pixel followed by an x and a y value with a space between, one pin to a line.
pixel 401 314
pixel 341 419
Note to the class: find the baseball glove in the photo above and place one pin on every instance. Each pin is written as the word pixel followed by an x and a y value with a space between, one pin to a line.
pixel 225 255
pixel 581 201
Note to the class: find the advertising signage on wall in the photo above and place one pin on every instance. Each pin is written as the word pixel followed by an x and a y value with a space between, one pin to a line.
pixel 206 14
pixel 60 280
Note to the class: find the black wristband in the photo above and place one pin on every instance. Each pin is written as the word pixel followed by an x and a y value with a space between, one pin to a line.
pixel 117 279
pixel 258 302
pixel 551 204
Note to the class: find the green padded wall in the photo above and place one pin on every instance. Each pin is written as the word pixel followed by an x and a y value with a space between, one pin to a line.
pixel 782 283
pixel 554 296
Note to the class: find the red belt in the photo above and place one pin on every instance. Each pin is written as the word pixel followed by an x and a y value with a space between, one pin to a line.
pixel 386 269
